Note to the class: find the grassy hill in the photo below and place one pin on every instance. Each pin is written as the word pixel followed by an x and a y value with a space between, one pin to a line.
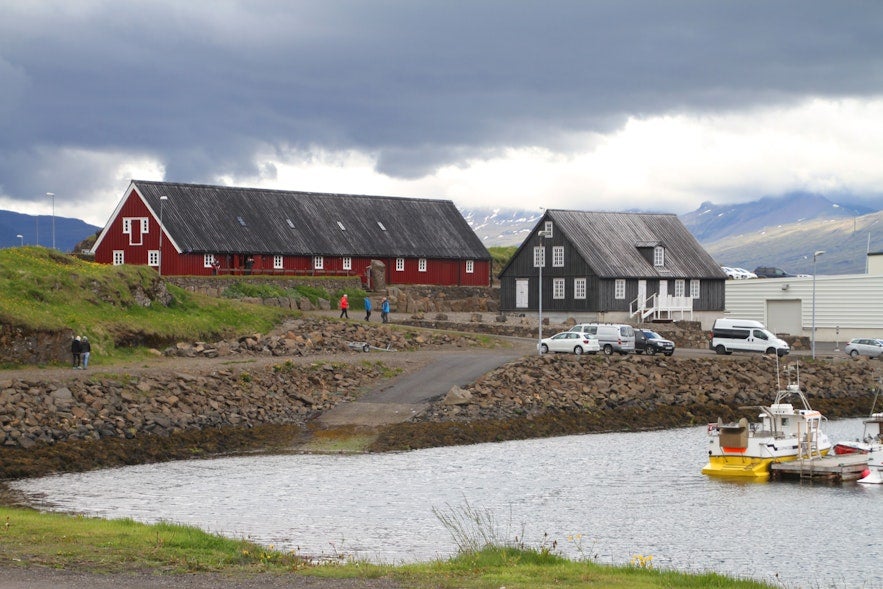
pixel 116 306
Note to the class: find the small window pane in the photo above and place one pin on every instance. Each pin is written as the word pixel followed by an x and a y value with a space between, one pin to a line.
pixel 347 263
pixel 539 257
pixel 558 256
pixel 318 263
pixel 470 266
pixel 579 288
pixel 619 288
pixel 695 288
pixel 400 264
pixel 558 288
pixel 421 265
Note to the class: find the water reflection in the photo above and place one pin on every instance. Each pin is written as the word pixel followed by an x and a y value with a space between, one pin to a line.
pixel 625 493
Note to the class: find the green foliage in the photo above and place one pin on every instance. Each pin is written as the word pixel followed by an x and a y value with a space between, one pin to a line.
pixel 268 289
pixel 115 306
pixel 500 256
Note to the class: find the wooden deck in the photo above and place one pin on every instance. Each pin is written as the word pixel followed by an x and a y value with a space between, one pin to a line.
pixel 834 468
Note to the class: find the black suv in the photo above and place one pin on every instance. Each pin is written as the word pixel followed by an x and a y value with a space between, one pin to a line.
pixel 771 272
pixel 650 342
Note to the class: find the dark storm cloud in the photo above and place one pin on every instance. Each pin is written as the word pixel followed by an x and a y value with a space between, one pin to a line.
pixel 201 86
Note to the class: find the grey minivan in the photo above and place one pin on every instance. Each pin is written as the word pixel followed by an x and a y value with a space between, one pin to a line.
pixel 612 337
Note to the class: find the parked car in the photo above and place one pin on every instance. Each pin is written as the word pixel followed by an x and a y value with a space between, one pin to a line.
pixel 864 346
pixel 570 342
pixel 612 337
pixel 771 272
pixel 745 335
pixel 738 273
pixel 650 342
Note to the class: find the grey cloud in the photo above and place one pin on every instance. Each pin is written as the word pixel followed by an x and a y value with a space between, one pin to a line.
pixel 204 85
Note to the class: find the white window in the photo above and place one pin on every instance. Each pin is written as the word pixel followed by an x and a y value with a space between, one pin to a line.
pixel 278 262
pixel 694 288
pixel 347 263
pixel 619 288
pixel 470 266
pixel 153 258
pixel 208 260
pixel 679 288
pixel 135 228
pixel 558 288
pixel 318 263
pixel 579 288
pixel 557 256
pixel 119 257
pixel 421 265
pixel 659 256
pixel 548 228
pixel 400 264
pixel 539 256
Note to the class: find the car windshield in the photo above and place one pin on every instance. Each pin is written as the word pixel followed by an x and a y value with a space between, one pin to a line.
pixel 652 334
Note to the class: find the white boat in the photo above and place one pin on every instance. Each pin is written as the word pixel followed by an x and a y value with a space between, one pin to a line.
pixel 784 433
pixel 871 443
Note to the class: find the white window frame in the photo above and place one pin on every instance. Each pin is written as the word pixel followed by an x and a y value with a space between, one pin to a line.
pixel 619 289
pixel 421 265
pixel 208 260
pixel 579 288
pixel 547 228
pixel 153 258
pixel 470 266
pixel 346 263
pixel 695 288
pixel 558 288
pixel 557 256
pixel 658 256
pixel 400 264
pixel 127 229
pixel 278 262
pixel 318 263
pixel 680 287
pixel 119 257
pixel 539 256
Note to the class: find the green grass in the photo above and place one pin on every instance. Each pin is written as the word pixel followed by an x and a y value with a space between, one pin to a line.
pixel 267 289
pixel 45 290
pixel 30 538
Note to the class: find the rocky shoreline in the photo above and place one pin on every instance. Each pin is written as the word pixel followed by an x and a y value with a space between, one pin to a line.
pixel 85 421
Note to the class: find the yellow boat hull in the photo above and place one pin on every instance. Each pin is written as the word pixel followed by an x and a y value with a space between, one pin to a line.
pixel 744 466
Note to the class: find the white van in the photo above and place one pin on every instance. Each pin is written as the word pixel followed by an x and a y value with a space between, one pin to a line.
pixel 745 335
pixel 612 337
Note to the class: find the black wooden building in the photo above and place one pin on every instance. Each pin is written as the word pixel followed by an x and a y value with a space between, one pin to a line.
pixel 619 266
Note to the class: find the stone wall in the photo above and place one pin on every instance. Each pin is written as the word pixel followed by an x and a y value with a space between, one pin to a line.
pixel 215 286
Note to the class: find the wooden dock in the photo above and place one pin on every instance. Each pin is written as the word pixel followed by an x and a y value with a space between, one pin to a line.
pixel 834 468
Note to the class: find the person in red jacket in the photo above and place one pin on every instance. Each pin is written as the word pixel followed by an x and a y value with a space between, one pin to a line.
pixel 344 305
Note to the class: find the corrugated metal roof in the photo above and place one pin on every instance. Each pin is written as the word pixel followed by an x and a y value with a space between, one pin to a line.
pixel 610 242
pixel 222 219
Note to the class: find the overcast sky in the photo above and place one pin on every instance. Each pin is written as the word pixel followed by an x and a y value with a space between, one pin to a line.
pixel 590 105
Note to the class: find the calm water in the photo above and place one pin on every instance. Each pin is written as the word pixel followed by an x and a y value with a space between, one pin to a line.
pixel 626 494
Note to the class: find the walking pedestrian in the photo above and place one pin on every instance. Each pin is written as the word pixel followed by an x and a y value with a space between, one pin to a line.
pixel 76 349
pixel 384 310
pixel 85 352
pixel 367 308
pixel 344 305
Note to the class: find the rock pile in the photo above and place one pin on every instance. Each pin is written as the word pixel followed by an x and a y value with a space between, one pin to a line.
pixel 33 413
pixel 537 385
pixel 303 337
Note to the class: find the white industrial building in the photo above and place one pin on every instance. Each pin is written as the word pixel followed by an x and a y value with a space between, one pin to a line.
pixel 846 306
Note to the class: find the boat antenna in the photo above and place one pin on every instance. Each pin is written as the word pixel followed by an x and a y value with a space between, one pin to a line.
pixel 876 394
pixel 778 381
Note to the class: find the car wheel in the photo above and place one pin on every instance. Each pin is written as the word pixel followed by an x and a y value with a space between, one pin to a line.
pixel 854 353
pixel 608 349
pixel 366 348
pixel 651 351
pixel 544 349
pixel 770 351
pixel 578 350
pixel 720 350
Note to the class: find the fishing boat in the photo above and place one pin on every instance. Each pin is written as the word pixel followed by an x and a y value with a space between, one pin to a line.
pixel 784 432
pixel 871 443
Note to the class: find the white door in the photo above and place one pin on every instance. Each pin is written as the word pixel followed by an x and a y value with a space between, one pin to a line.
pixel 521 294
pixel 663 292
pixel 642 293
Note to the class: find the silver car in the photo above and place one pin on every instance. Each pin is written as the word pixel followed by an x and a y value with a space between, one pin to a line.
pixel 863 346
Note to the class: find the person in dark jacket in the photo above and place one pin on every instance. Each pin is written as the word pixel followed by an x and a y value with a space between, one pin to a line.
pixel 85 352
pixel 76 350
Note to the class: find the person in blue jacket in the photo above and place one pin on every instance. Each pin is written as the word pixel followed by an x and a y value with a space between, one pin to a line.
pixel 384 310
pixel 367 308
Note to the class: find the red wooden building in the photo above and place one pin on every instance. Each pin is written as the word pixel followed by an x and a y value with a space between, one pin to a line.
pixel 195 229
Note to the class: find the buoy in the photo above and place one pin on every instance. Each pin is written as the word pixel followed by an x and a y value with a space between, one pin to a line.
pixel 866 472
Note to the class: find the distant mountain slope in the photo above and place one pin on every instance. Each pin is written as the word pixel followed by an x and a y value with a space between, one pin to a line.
pixel 501 226
pixel 711 222
pixel 37 230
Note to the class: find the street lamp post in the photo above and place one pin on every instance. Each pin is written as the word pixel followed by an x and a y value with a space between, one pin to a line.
pixel 51 196
pixel 21 239
pixel 162 202
pixel 540 261
pixel 814 256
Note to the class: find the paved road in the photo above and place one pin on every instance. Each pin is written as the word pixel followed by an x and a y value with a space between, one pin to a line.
pixel 410 394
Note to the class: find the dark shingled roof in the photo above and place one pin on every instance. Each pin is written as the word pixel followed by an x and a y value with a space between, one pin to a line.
pixel 224 219
pixel 610 242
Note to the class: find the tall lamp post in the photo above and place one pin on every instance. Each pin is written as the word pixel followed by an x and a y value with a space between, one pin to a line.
pixel 21 239
pixel 814 256
pixel 51 196
pixel 540 261
pixel 162 203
